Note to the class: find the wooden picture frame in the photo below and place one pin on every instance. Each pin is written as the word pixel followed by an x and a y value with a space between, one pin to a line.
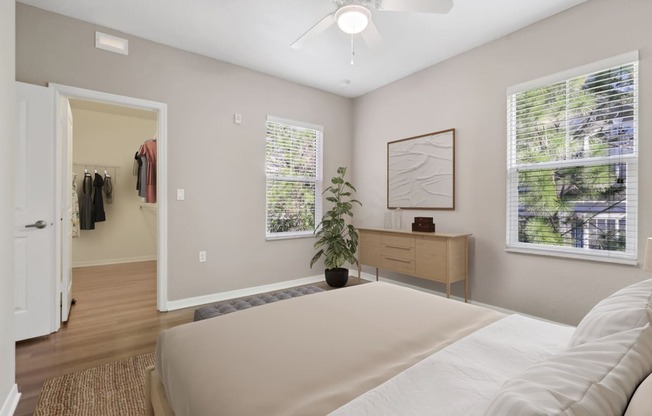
pixel 421 171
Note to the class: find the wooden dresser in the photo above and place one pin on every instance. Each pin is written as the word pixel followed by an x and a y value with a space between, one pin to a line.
pixel 439 257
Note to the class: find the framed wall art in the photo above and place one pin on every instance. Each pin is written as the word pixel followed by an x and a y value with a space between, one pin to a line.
pixel 421 171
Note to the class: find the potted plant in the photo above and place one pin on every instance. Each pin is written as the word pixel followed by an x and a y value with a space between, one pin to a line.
pixel 337 240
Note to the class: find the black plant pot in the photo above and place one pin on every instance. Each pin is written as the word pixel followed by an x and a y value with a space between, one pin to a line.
pixel 337 277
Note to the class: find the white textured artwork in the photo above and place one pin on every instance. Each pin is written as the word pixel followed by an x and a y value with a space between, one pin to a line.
pixel 420 171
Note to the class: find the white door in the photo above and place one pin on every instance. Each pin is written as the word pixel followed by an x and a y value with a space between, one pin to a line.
pixel 65 127
pixel 34 235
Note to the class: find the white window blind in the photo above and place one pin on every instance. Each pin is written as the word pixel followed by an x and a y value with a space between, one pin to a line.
pixel 294 177
pixel 572 187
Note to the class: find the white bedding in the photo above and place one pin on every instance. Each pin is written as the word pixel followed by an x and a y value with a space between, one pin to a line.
pixel 462 378
pixel 308 355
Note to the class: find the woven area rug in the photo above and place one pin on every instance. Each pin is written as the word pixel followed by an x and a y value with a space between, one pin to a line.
pixel 115 388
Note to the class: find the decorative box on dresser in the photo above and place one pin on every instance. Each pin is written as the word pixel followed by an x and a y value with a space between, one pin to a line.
pixel 438 257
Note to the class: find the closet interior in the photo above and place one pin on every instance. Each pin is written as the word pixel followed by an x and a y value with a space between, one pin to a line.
pixel 114 171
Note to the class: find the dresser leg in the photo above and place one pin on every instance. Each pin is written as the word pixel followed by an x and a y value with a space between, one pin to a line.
pixel 448 290
pixel 466 290
pixel 376 273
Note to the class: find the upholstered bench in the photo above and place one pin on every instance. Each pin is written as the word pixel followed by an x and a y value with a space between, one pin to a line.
pixel 228 306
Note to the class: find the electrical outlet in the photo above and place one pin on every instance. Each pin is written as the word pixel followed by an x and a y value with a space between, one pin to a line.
pixel 181 194
pixel 237 118
pixel 202 256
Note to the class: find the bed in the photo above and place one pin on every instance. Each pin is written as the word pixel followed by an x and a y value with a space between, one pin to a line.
pixel 382 349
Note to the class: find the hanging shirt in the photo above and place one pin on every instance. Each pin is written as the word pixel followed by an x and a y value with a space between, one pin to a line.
pixel 148 150
pixel 108 189
pixel 86 212
pixel 98 203
pixel 142 177
pixel 138 165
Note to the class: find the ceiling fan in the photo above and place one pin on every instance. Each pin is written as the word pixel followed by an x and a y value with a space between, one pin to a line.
pixel 354 16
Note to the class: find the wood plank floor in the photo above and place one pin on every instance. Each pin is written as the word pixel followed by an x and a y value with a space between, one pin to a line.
pixel 115 317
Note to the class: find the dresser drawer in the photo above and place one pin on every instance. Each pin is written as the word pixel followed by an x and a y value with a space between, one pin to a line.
pixel 398 254
pixel 398 265
pixel 400 248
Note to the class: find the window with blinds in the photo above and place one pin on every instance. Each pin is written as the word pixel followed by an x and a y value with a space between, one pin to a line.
pixel 294 177
pixel 572 187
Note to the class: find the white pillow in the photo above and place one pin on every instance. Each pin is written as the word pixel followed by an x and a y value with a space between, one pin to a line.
pixel 595 378
pixel 630 307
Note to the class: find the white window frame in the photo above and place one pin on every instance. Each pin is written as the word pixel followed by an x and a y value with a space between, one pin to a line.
pixel 318 180
pixel 512 244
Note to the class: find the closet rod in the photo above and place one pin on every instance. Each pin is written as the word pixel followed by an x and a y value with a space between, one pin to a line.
pixel 111 169
pixel 95 165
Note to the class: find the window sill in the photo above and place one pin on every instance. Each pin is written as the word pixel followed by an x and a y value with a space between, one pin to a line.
pixel 289 236
pixel 551 252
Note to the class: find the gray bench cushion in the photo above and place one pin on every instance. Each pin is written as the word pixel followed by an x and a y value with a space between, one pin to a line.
pixel 228 306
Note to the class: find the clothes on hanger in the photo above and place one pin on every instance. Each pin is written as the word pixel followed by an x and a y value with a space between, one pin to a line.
pixel 140 171
pixel 98 204
pixel 147 153
pixel 108 188
pixel 138 166
pixel 75 208
pixel 88 203
pixel 86 219
pixel 142 177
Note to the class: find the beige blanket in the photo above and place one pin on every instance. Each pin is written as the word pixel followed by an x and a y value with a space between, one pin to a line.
pixel 307 355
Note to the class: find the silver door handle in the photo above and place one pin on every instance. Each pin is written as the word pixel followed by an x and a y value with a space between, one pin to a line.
pixel 38 224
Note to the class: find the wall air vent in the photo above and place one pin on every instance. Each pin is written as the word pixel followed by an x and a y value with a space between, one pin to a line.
pixel 111 43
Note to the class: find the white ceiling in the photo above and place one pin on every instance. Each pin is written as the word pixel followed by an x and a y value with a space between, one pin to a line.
pixel 257 34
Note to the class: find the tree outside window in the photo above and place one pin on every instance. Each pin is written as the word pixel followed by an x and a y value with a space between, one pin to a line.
pixel 293 172
pixel 572 163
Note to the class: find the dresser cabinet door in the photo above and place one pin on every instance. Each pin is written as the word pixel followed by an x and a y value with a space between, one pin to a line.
pixel 432 258
pixel 369 248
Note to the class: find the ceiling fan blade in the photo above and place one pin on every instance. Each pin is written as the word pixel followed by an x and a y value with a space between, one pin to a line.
pixel 423 6
pixel 320 27
pixel 371 36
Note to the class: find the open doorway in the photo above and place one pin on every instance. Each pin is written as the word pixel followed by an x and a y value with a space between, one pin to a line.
pixel 114 206
pixel 102 132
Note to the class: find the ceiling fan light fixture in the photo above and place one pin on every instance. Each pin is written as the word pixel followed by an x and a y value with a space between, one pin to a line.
pixel 352 19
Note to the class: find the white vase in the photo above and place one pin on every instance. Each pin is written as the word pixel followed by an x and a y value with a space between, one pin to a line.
pixel 388 220
pixel 397 217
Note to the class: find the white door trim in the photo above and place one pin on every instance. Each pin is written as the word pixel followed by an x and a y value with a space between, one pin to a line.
pixel 161 173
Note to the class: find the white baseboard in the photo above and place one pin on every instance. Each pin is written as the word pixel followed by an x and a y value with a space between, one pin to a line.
pixel 105 262
pixel 232 294
pixel 9 406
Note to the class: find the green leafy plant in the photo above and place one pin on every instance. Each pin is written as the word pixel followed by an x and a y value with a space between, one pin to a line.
pixel 338 241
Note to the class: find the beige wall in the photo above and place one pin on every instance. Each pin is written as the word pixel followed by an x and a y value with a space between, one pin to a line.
pixel 468 93
pixel 107 135
pixel 220 164
pixel 7 126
